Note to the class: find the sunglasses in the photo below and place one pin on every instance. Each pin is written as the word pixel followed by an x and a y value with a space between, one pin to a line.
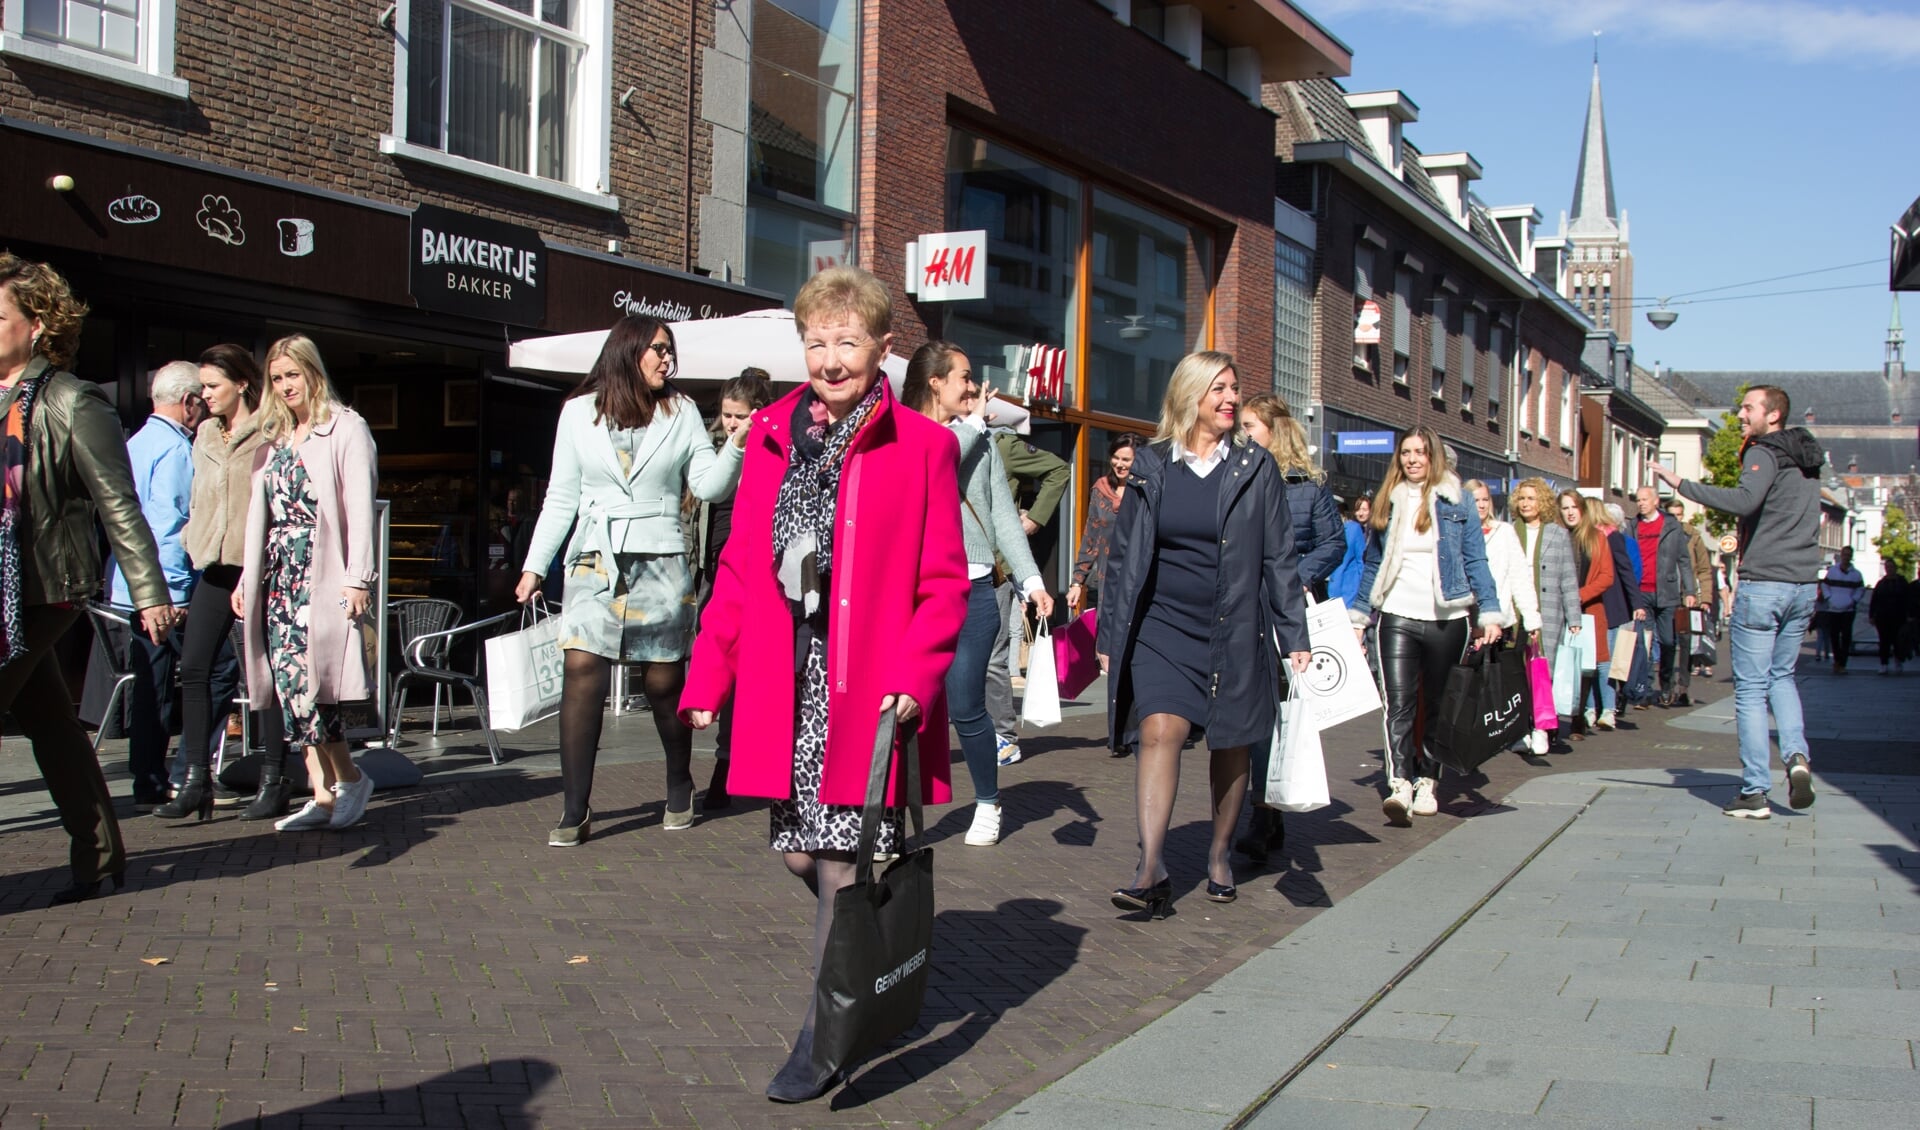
pixel 662 349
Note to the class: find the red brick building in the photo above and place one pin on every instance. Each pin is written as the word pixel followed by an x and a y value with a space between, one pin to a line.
pixel 412 187
pixel 1470 341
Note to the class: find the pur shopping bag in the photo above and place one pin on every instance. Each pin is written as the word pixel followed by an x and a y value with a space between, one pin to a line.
pixel 1074 659
pixel 1040 704
pixel 524 670
pixel 1337 680
pixel 873 975
pixel 1296 769
pixel 1483 711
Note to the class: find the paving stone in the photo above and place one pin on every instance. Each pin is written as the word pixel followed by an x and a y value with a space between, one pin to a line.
pixel 1290 1111
pixel 1705 1040
pixel 1388 1051
pixel 1455 1090
pixel 1858 1114
pixel 1838 1081
pixel 1564 1034
pixel 1676 1106
pixel 1630 1068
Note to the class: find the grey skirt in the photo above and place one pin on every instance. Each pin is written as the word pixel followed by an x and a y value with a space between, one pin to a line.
pixel 641 611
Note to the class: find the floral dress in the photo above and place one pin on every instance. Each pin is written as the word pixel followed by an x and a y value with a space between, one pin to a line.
pixel 292 509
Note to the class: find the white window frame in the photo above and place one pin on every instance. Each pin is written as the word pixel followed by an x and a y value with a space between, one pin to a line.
pixel 153 73
pixel 589 133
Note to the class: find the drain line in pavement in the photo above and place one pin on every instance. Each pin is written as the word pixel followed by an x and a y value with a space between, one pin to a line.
pixel 1240 1120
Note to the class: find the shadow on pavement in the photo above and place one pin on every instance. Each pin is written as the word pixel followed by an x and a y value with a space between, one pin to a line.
pixel 989 963
pixel 497 1094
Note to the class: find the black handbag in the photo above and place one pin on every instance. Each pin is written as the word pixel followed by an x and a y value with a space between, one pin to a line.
pixel 1486 708
pixel 873 975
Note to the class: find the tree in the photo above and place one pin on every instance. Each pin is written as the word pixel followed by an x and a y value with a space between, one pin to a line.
pixel 1722 463
pixel 1895 543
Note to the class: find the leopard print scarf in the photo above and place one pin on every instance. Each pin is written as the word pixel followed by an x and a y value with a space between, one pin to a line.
pixel 804 509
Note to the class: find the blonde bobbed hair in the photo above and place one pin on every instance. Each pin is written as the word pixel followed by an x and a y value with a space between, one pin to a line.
pixel 1192 377
pixel 300 349
pixel 844 290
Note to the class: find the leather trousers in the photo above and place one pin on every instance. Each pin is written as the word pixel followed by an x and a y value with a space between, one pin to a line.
pixel 1415 659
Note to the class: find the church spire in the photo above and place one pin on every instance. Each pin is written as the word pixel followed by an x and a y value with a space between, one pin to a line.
pixel 1593 207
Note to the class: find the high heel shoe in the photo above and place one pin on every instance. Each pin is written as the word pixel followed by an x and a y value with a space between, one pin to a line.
pixel 1155 900
pixel 563 836
pixel 270 803
pixel 798 1080
pixel 1221 892
pixel 81 892
pixel 194 798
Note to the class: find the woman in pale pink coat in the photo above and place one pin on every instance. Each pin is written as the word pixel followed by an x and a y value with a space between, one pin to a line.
pixel 840 595
pixel 308 576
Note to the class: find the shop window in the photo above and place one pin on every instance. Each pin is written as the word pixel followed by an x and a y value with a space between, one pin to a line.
pixel 787 245
pixel 1469 356
pixel 1032 216
pixel 802 134
pixel 1147 271
pixel 1292 322
pixel 1499 365
pixel 127 41
pixel 517 89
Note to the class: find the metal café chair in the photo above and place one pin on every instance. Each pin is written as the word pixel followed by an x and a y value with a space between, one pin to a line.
pixel 112 637
pixel 424 616
pixel 242 704
pixel 426 657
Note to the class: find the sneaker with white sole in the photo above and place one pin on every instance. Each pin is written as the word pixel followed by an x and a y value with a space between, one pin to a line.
pixel 1799 781
pixel 1398 803
pixel 350 801
pixel 1006 752
pixel 1606 720
pixel 986 826
pixel 1591 718
pixel 1538 743
pixel 1424 802
pixel 1750 806
pixel 314 815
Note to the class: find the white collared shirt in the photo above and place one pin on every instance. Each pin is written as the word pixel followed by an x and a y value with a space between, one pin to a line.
pixel 1199 465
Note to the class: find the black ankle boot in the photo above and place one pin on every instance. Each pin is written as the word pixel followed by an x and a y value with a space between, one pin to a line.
pixel 717 795
pixel 194 798
pixel 799 1081
pixel 271 801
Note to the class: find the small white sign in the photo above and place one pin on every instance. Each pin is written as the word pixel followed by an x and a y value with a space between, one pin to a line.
pixel 949 266
pixel 825 253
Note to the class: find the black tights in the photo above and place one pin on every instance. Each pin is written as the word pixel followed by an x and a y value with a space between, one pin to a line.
pixel 1157 780
pixel 824 873
pixel 583 703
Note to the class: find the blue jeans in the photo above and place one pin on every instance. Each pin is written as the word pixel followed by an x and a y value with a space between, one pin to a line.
pixel 1769 622
pixel 967 691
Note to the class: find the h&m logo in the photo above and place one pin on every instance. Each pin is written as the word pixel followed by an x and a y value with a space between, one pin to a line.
pixel 949 265
pixel 888 980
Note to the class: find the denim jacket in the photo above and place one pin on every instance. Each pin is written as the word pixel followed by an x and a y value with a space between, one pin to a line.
pixel 1464 576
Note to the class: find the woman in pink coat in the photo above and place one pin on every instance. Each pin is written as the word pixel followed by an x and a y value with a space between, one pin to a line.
pixel 308 577
pixel 840 595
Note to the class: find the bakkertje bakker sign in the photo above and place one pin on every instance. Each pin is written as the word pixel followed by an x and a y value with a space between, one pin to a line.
pixel 478 268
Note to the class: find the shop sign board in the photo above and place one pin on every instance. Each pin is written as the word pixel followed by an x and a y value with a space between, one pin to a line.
pixel 1363 443
pixel 948 266
pixel 478 268
pixel 1366 329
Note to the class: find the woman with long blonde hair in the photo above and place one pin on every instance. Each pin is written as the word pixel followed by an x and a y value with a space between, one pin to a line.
pixel 1425 573
pixel 308 574
pixel 1593 563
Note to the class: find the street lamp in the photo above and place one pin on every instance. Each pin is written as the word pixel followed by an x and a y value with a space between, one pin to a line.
pixel 1661 317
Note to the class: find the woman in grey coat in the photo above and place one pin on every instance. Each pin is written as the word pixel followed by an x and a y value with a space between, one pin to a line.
pixel 940 385
pixel 1202 575
pixel 1555 579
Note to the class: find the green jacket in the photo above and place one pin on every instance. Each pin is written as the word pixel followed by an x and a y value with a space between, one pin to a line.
pixel 1027 464
pixel 77 465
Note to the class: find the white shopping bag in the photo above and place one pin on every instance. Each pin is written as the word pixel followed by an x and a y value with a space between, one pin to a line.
pixel 1296 771
pixel 1337 679
pixel 1567 673
pixel 1040 705
pixel 524 671
pixel 1586 644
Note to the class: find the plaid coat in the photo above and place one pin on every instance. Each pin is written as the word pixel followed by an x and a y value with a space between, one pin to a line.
pixel 1556 578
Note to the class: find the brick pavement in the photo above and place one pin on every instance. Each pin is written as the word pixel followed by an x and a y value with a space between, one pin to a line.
pixel 425 968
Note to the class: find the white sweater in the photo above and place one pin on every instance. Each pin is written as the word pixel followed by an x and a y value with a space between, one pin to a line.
pixel 1512 577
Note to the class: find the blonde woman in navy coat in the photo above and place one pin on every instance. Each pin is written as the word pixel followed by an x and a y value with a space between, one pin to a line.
pixel 629 446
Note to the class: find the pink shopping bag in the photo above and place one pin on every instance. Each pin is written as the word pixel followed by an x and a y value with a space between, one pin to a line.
pixel 1540 682
pixel 1075 663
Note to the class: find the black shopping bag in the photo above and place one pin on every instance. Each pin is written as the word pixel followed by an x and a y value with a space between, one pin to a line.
pixel 873 975
pixel 1485 709
pixel 1639 685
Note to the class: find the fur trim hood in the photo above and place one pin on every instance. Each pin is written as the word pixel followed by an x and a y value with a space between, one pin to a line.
pixel 1405 497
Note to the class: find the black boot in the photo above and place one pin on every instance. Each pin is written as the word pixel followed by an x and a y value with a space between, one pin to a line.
pixel 271 801
pixel 799 1081
pixel 194 798
pixel 717 796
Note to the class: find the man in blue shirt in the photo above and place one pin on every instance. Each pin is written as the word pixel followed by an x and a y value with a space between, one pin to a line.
pixel 162 456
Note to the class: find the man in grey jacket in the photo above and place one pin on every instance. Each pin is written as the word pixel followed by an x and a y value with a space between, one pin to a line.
pixel 1777 502
pixel 1667 579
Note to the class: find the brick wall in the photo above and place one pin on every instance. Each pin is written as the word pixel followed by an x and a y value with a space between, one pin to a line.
pixel 302 91
pixel 1068 83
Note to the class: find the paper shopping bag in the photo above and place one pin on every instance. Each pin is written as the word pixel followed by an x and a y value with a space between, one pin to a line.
pixel 524 671
pixel 1296 769
pixel 1074 659
pixel 1540 691
pixel 1041 704
pixel 1337 679
pixel 1620 658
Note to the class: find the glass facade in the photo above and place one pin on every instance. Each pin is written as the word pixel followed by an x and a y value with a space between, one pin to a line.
pixel 1147 273
pixel 1292 322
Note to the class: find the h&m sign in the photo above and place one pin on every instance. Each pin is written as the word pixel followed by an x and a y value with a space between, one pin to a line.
pixel 478 268
pixel 948 266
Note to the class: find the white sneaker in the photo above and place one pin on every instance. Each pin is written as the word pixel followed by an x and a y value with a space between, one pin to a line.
pixel 1538 743
pixel 1424 802
pixel 1006 752
pixel 1606 720
pixel 312 816
pixel 1399 802
pixel 986 826
pixel 350 801
pixel 1590 717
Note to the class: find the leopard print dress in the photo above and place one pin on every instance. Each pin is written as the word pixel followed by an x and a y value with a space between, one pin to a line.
pixel 808 495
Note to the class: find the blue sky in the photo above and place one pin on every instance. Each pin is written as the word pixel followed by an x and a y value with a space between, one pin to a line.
pixel 1750 139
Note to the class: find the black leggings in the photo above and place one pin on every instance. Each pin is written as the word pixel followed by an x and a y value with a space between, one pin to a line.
pixel 209 620
pixel 1415 658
